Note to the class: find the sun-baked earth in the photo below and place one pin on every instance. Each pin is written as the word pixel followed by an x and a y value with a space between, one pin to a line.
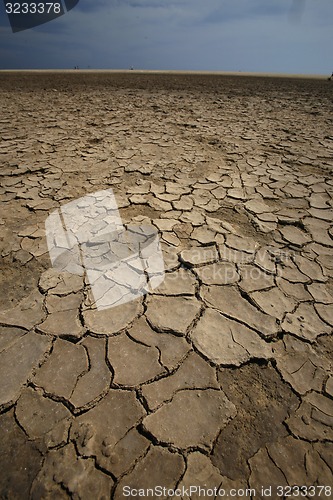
pixel 222 377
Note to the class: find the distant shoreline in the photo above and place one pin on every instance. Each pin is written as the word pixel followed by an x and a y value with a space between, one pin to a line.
pixel 168 72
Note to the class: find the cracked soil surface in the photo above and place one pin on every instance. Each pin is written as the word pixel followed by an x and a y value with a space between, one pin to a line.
pixel 223 375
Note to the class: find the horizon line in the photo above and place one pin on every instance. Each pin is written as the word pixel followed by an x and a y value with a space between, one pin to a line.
pixel 164 71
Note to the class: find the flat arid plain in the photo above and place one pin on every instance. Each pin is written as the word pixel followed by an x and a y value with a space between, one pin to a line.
pixel 221 377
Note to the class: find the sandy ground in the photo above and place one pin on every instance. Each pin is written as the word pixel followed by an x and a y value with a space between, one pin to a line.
pixel 221 377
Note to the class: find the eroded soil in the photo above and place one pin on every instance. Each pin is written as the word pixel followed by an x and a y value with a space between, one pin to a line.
pixel 222 376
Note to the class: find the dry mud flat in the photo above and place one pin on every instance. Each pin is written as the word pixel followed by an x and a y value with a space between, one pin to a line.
pixel 222 377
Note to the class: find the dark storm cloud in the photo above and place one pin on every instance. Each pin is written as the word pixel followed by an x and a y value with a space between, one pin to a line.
pixel 248 35
pixel 93 6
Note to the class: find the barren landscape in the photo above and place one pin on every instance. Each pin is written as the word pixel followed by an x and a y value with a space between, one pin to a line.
pixel 221 377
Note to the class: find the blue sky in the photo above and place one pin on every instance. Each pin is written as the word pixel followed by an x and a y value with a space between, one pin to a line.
pixel 279 36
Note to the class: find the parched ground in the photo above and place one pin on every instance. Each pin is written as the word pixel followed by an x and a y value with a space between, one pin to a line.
pixel 222 377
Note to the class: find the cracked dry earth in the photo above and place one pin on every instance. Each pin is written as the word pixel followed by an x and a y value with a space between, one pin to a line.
pixel 223 375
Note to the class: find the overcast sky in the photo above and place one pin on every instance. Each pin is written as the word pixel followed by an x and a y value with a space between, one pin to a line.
pixel 279 36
